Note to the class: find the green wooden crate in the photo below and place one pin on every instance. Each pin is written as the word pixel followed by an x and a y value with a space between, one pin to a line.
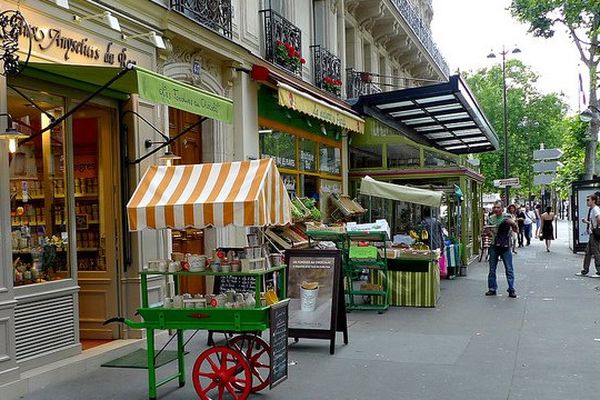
pixel 363 252
pixel 412 289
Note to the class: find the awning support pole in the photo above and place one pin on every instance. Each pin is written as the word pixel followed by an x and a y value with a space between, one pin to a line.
pixel 168 142
pixel 83 102
pixel 30 101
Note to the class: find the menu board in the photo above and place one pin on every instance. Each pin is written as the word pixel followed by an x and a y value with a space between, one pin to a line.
pixel 315 288
pixel 279 342
pixel 240 284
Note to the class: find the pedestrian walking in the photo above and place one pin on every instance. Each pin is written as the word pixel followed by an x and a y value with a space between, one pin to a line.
pixel 512 210
pixel 547 231
pixel 502 227
pixel 593 246
pixel 538 219
pixel 528 224
pixel 521 225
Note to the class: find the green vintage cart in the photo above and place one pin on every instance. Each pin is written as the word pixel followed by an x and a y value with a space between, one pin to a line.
pixel 233 371
pixel 242 194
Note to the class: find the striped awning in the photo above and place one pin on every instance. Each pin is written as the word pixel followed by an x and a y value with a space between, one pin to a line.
pixel 243 193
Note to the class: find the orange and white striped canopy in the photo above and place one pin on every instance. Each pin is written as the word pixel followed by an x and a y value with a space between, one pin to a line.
pixel 243 193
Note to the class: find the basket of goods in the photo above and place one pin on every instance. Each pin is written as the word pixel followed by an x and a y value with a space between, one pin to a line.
pixel 299 211
pixel 420 238
pixel 346 206
pixel 311 206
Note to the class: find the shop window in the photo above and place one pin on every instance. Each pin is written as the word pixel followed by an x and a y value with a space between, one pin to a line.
pixel 37 191
pixel 280 146
pixel 289 182
pixel 438 160
pixel 403 155
pixel 330 160
pixel 366 156
pixel 327 188
pixel 308 150
pixel 309 186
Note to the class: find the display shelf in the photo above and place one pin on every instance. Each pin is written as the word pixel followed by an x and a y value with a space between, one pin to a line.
pixel 367 264
pixel 88 249
pixel 366 292
pixel 376 265
pixel 211 273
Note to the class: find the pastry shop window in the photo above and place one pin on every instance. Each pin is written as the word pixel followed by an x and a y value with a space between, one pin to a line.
pixel 433 159
pixel 38 213
pixel 279 146
pixel 330 160
pixel 366 156
pixel 403 155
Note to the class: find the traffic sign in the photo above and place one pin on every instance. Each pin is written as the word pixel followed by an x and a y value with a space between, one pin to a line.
pixel 547 154
pixel 544 179
pixel 546 166
pixel 502 183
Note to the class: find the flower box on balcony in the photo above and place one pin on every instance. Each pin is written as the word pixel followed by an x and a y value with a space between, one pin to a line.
pixel 288 56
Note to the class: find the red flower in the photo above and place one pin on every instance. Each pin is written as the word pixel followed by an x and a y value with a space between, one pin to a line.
pixel 302 61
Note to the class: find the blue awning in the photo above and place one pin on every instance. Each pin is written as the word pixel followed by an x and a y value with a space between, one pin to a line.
pixel 445 115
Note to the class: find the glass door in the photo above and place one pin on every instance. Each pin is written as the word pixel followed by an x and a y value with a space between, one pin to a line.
pixel 96 197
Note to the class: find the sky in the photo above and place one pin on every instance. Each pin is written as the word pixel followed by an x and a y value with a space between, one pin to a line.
pixel 466 30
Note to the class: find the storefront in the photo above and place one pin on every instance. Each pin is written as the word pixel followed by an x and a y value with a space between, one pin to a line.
pixel 306 136
pixel 65 272
pixel 418 137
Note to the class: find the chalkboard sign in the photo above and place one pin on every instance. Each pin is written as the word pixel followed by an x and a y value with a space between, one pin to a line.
pixel 314 285
pixel 279 342
pixel 238 283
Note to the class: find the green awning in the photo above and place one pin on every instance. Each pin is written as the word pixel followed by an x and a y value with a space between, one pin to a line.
pixel 147 84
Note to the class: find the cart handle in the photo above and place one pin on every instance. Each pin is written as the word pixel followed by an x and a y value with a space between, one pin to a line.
pixel 128 322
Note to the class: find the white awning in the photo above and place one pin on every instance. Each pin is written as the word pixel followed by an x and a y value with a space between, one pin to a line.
pixel 371 187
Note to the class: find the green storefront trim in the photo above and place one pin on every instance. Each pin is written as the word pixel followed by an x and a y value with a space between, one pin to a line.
pixel 149 85
pixel 269 108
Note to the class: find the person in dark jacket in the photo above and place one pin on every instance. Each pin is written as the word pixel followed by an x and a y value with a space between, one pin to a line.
pixel 503 227
pixel 435 230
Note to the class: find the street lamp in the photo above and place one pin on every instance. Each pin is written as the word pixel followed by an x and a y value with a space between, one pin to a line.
pixel 588 115
pixel 503 53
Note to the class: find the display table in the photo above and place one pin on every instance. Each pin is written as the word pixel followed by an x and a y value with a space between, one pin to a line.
pixel 414 281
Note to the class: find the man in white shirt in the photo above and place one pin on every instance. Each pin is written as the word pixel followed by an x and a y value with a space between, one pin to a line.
pixel 593 246
pixel 529 218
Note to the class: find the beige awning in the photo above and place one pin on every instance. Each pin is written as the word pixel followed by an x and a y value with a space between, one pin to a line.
pixel 371 187
pixel 295 99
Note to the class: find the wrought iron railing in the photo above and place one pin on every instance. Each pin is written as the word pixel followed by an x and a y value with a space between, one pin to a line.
pixel 360 83
pixel 283 42
pixel 327 70
pixel 423 32
pixel 213 14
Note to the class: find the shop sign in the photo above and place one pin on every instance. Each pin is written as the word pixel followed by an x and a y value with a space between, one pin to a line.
pixel 288 98
pixel 52 39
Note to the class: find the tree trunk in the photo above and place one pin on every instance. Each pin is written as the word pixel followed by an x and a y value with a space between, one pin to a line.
pixel 590 149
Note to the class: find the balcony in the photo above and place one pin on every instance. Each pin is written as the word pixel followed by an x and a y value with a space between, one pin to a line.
pixel 327 71
pixel 411 16
pixel 360 83
pixel 216 15
pixel 283 42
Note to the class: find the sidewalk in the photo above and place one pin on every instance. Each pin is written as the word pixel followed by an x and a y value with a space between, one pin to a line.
pixel 543 345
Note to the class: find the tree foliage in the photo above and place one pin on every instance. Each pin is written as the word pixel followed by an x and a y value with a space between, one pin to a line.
pixel 573 147
pixel 581 18
pixel 533 118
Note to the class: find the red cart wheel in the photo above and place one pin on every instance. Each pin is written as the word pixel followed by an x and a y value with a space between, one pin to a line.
pixel 258 355
pixel 220 370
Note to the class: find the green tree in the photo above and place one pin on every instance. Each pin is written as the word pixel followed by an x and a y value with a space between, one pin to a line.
pixel 573 147
pixel 582 21
pixel 533 118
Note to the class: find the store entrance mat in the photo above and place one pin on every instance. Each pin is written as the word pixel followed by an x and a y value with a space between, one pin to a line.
pixel 138 359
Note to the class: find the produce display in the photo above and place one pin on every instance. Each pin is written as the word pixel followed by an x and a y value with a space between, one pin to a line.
pixel 419 240
pixel 305 209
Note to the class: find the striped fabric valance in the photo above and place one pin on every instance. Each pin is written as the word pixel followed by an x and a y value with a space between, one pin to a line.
pixel 243 193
